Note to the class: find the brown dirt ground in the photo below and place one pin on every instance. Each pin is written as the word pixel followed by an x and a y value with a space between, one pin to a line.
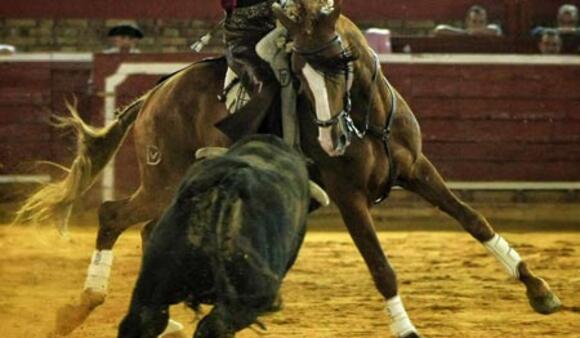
pixel 450 285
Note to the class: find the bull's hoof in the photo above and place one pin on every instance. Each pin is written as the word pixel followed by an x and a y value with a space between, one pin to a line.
pixel 177 334
pixel 277 305
pixel 545 304
pixel 174 329
pixel 71 316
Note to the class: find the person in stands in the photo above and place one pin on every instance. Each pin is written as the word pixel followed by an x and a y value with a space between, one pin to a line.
pixel 566 20
pixel 476 24
pixel 124 39
pixel 550 42
pixel 7 49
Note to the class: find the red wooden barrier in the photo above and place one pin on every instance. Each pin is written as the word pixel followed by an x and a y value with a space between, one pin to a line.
pixel 29 93
pixel 467 45
pixel 496 122
pixel 479 122
pixel 517 122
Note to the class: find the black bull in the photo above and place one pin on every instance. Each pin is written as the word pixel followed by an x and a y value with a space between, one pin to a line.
pixel 228 238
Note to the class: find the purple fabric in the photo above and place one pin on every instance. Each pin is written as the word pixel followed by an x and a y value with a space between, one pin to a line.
pixel 229 4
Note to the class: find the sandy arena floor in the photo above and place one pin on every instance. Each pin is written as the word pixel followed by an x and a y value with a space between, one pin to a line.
pixel 451 287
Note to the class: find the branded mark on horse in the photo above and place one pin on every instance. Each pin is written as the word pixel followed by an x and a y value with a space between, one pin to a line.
pixel 229 237
pixel 369 140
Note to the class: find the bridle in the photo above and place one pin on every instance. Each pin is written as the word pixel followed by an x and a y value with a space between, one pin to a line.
pixel 344 115
pixel 382 133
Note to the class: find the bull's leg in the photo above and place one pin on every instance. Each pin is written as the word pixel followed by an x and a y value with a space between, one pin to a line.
pixel 239 308
pixel 146 233
pixel 224 321
pixel 424 179
pixel 356 215
pixel 144 322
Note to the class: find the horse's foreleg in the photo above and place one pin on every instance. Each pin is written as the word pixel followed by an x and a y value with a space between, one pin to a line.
pixel 356 215
pixel 424 180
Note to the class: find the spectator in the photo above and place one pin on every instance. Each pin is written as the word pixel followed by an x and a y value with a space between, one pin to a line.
pixel 550 42
pixel 568 19
pixel 124 39
pixel 7 49
pixel 475 25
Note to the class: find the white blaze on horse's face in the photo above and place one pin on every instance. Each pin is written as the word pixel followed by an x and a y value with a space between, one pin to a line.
pixel 317 85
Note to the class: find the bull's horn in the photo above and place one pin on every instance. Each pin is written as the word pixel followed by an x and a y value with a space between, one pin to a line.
pixel 319 194
pixel 210 152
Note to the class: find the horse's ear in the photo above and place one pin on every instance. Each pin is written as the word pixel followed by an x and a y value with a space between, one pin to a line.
pixel 333 16
pixel 286 21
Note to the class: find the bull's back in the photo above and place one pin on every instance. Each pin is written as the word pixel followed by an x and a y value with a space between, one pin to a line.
pixel 260 194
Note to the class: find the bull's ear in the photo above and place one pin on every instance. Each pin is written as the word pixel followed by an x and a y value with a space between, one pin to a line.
pixel 318 194
pixel 284 19
pixel 210 152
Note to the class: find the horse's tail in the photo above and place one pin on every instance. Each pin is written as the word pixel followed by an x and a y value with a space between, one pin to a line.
pixel 95 148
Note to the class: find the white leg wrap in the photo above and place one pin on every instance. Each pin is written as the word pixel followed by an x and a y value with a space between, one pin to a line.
pixel 400 323
pixel 99 271
pixel 505 254
pixel 172 327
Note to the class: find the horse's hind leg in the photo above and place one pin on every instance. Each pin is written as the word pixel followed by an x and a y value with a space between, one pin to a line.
pixel 114 218
pixel 423 179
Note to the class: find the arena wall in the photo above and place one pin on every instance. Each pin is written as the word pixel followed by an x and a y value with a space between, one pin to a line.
pixel 30 91
pixel 484 118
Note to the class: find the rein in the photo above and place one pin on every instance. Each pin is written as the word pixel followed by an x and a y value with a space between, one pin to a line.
pixel 331 43
pixel 384 133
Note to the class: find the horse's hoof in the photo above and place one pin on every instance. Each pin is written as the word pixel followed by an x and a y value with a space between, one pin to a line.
pixel 71 316
pixel 91 299
pixel 546 304
pixel 412 335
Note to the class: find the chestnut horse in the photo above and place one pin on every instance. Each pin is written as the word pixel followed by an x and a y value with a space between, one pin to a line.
pixel 365 139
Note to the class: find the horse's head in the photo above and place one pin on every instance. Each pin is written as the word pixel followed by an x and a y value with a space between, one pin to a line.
pixel 324 66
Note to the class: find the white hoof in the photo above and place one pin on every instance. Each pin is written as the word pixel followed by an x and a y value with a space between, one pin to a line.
pixel 174 329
